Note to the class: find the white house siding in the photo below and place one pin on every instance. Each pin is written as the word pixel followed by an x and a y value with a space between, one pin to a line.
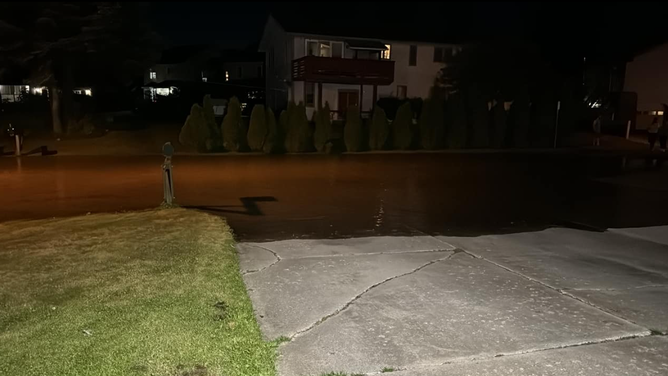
pixel 418 79
pixel 647 75
pixel 278 63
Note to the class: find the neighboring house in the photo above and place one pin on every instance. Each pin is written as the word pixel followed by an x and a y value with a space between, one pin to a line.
pixel 14 93
pixel 197 70
pixel 307 65
pixel 647 76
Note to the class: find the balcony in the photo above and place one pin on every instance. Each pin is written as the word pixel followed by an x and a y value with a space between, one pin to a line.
pixel 343 71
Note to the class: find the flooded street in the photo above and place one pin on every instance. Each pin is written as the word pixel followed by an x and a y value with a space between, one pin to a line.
pixel 322 196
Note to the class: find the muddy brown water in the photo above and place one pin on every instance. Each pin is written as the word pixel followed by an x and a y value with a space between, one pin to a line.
pixel 323 196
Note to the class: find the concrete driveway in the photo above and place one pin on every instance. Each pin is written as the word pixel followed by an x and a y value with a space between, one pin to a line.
pixel 553 302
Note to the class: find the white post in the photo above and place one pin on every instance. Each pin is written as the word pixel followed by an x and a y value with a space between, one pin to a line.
pixel 628 129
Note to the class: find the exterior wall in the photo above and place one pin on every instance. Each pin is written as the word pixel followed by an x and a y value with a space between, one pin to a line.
pixel 647 75
pixel 278 63
pixel 418 79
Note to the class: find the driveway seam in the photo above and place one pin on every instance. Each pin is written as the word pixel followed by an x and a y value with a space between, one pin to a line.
pixel 616 289
pixel 560 291
pixel 278 259
pixel 370 254
pixel 358 296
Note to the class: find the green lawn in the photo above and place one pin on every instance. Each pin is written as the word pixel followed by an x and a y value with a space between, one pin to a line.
pixel 147 293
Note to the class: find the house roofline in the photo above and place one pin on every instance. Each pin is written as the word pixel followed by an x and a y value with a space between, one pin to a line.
pixel 390 41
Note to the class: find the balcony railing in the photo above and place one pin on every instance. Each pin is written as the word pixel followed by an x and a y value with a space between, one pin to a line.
pixel 343 71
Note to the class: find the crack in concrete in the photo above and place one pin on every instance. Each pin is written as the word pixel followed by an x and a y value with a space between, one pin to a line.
pixel 616 289
pixel 559 290
pixel 358 296
pixel 278 259
pixel 373 253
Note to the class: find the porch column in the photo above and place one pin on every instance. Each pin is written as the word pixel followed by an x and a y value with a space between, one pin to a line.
pixel 375 96
pixel 361 97
pixel 319 96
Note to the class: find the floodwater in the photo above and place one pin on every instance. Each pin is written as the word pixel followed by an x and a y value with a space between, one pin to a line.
pixel 325 196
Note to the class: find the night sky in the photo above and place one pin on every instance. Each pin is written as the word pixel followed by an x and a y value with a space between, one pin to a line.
pixel 584 28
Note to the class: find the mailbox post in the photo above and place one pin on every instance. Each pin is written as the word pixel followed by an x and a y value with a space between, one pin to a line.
pixel 167 176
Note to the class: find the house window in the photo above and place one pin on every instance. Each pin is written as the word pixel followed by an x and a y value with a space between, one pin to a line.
pixel 204 79
pixel 385 55
pixel 309 93
pixel 412 57
pixel 323 48
pixel 402 91
pixel 240 72
pixel 227 75
pixel 152 75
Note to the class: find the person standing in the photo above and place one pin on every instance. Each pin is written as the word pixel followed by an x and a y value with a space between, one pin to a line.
pixel 652 133
pixel 597 130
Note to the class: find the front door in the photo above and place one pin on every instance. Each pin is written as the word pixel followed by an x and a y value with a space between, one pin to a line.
pixel 348 98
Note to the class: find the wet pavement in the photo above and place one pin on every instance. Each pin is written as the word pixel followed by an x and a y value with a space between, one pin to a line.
pixel 321 196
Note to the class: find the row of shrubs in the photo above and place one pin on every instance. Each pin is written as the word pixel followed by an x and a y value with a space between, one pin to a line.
pixel 440 124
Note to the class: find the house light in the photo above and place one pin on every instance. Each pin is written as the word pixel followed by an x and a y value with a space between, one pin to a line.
pixel 659 113
pixel 162 91
pixel 227 75
pixel 88 92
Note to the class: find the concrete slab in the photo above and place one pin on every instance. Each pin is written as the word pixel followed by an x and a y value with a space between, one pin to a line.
pixel 253 258
pixel 646 306
pixel 448 311
pixel 635 357
pixel 657 234
pixel 609 270
pixel 295 248
pixel 569 259
pixel 294 294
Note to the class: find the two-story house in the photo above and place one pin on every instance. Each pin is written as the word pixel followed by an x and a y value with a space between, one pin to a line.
pixel 343 70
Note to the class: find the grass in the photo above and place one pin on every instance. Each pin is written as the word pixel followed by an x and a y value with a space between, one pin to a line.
pixel 148 293
pixel 387 369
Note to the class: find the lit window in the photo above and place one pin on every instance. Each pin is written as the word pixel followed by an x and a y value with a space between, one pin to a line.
pixel 88 92
pixel 385 55
pixel 77 91
pixel 152 75
pixel 163 91
pixel 243 106
pixel 204 79
pixel 227 75
pixel 324 48
pixel 660 113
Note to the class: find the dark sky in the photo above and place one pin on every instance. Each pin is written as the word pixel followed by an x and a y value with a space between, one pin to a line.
pixel 595 29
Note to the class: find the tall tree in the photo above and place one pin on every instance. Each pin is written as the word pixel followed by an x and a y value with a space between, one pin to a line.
pixel 57 43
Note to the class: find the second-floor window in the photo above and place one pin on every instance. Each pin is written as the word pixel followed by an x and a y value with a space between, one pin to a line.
pixel 152 75
pixel 412 56
pixel 324 48
pixel 386 55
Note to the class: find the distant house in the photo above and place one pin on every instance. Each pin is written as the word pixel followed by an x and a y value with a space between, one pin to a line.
pixel 193 71
pixel 647 76
pixel 317 63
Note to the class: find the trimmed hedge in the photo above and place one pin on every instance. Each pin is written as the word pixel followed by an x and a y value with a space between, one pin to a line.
pixel 401 127
pixel 195 132
pixel 257 131
pixel 379 130
pixel 232 126
pixel 299 135
pixel 273 140
pixel 432 125
pixel 323 128
pixel 352 132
